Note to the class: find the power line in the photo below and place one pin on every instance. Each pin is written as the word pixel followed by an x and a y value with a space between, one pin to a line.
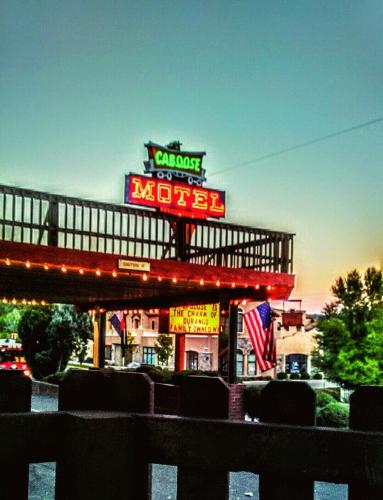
pixel 301 145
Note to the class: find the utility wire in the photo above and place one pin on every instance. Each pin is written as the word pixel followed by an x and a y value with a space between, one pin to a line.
pixel 301 145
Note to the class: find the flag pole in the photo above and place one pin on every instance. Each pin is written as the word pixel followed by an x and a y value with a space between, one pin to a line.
pixel 233 334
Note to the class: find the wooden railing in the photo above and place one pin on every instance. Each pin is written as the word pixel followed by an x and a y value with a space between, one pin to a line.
pixel 36 217
pixel 104 451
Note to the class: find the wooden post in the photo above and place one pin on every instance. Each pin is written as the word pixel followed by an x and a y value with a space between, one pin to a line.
pixel 15 396
pixel 291 403
pixel 366 414
pixel 233 336
pixel 53 222
pixel 95 463
pixel 203 397
pixel 99 326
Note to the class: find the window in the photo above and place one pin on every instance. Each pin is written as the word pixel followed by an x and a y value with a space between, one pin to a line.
pixel 251 364
pixel 153 325
pixel 192 360
pixel 239 363
pixel 108 352
pixel 149 355
pixel 240 321
pixel 296 363
pixel 136 323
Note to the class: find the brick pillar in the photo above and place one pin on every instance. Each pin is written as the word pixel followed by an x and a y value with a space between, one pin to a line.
pixel 15 396
pixel 94 464
pixel 291 403
pixel 203 397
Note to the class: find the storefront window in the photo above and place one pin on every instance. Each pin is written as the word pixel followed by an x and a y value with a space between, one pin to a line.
pixel 251 364
pixel 192 360
pixel 239 363
pixel 149 355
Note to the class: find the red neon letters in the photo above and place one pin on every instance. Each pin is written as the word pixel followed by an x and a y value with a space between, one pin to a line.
pixel 183 199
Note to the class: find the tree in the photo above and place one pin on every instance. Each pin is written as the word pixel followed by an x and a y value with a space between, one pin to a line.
pixel 164 347
pixel 50 335
pixel 350 339
pixel 10 316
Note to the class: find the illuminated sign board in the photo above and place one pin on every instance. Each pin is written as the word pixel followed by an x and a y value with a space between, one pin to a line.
pixel 202 319
pixel 173 196
pixel 168 163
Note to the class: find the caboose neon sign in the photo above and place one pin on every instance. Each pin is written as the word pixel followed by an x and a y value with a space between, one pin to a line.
pixel 176 197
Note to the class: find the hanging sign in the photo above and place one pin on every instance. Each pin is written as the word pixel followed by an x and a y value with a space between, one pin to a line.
pixel 179 197
pixel 133 265
pixel 203 319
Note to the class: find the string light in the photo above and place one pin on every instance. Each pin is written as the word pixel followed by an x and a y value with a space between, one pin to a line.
pixel 14 301
pixel 114 274
pixel 217 283
pixel 201 282
pixel 28 264
pixel 233 285
pixel 244 302
pixel 159 278
pixel 81 270
pixel 63 269
pixel 5 301
pixel 257 287
pixel 174 279
pixel 144 277
pixel 8 262
pixel 269 287
pixel 98 272
pixel 46 268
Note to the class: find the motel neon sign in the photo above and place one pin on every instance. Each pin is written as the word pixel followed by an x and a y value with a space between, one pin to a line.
pixel 177 197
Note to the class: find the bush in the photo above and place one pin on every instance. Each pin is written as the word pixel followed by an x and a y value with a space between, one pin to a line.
pixel 294 376
pixel 154 372
pixel 305 375
pixel 333 391
pixel 55 378
pixel 317 376
pixel 323 399
pixel 282 376
pixel 334 415
pixel 252 400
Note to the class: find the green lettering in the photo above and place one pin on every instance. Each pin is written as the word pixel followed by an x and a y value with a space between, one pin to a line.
pixel 171 160
pixel 197 164
pixel 158 158
pixel 165 158
pixel 179 162
pixel 186 162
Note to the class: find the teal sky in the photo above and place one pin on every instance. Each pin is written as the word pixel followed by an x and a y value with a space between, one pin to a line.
pixel 84 84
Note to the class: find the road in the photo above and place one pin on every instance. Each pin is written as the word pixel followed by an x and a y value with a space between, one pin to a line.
pixel 242 484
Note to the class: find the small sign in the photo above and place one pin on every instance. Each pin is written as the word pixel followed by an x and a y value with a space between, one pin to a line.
pixel 203 319
pixel 133 265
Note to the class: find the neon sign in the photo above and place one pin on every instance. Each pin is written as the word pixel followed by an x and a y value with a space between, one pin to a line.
pixel 175 197
pixel 165 162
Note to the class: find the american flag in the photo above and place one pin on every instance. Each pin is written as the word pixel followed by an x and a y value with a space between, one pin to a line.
pixel 259 324
pixel 118 322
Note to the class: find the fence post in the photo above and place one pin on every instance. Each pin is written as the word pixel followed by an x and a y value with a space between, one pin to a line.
pixel 366 414
pixel 203 397
pixel 291 403
pixel 15 396
pixel 102 458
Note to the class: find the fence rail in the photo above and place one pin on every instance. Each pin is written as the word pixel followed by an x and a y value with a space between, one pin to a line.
pixel 28 216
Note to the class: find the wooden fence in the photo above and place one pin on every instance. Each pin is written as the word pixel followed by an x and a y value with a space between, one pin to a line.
pixel 107 419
